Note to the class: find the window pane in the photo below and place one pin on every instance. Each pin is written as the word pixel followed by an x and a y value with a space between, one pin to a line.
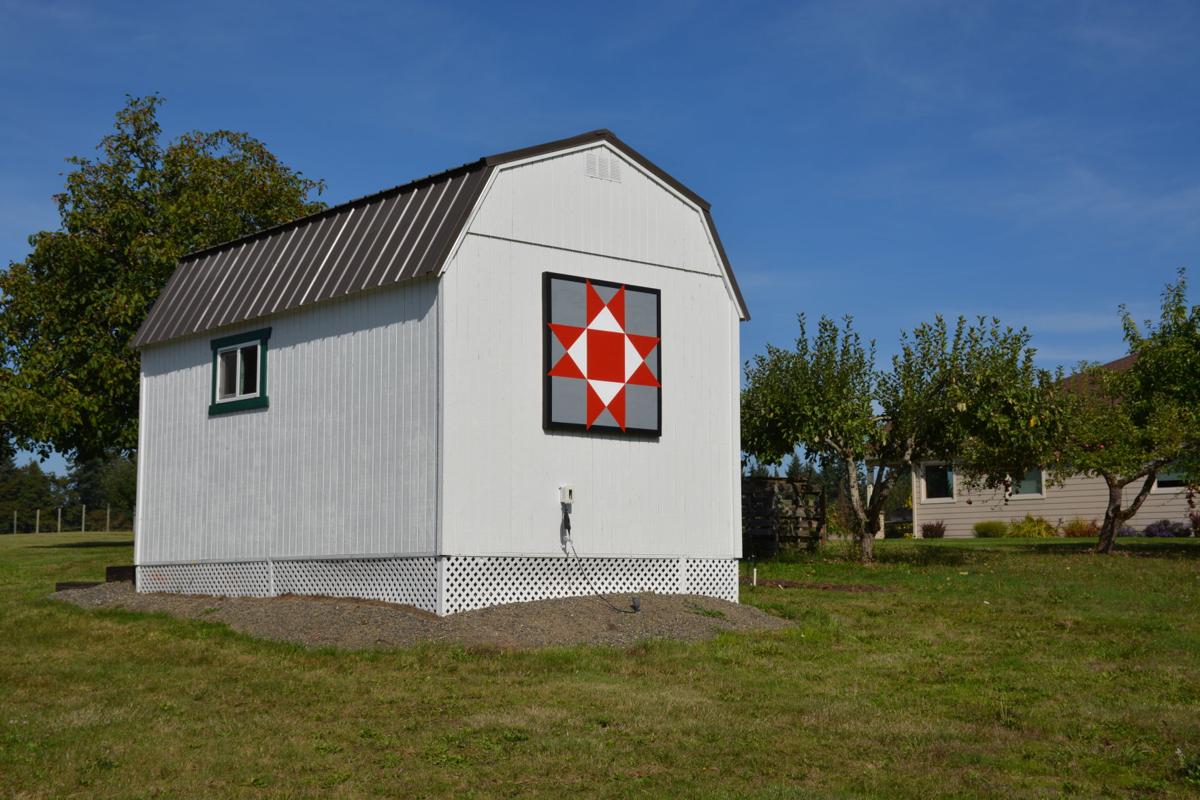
pixel 1030 484
pixel 1170 480
pixel 227 375
pixel 250 369
pixel 939 482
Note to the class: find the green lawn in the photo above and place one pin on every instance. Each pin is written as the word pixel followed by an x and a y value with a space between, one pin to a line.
pixel 993 668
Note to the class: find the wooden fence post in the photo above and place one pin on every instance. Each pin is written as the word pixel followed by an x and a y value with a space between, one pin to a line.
pixel 108 518
pixel 37 520
pixel 60 519
pixel 83 521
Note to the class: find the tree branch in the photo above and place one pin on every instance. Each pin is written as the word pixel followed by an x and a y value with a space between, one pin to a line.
pixel 1142 494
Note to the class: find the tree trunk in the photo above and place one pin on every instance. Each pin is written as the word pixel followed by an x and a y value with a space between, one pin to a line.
pixel 870 529
pixel 1112 519
pixel 1108 535
pixel 1114 516
pixel 867 547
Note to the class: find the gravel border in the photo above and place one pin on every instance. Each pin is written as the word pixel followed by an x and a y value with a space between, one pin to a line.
pixel 366 624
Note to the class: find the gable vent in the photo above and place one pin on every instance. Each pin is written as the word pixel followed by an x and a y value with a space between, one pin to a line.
pixel 601 164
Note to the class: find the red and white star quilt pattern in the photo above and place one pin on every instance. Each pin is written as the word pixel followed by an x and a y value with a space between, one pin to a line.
pixel 614 362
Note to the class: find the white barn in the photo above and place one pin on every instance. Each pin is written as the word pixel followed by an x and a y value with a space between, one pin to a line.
pixel 387 399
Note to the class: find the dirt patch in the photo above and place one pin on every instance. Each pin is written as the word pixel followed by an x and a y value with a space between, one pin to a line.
pixel 361 624
pixel 828 587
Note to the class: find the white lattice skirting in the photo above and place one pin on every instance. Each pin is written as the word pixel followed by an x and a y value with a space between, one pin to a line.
pixel 465 582
pixel 492 581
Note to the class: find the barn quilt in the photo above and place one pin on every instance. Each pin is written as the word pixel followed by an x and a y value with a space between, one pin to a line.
pixel 602 356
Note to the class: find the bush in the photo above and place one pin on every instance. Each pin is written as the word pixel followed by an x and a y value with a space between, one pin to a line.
pixel 990 528
pixel 933 530
pixel 1164 529
pixel 1080 528
pixel 1032 528
pixel 1126 530
pixel 897 530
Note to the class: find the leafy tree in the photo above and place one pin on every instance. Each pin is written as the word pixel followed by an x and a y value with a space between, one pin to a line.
pixel 900 497
pixel 68 379
pixel 109 480
pixel 1130 421
pixel 796 470
pixel 24 489
pixel 119 483
pixel 971 394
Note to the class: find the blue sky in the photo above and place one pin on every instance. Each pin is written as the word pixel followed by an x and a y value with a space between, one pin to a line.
pixel 887 160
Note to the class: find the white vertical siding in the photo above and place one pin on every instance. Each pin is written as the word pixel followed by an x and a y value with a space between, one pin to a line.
pixel 553 202
pixel 675 496
pixel 1077 497
pixel 735 427
pixel 344 462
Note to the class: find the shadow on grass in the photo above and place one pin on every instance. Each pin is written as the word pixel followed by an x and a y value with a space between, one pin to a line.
pixel 83 545
pixel 927 555
pixel 1153 548
pixel 1187 548
pixel 956 552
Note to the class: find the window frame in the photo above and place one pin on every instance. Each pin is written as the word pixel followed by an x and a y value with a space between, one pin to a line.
pixel 241 402
pixel 1014 495
pixel 925 498
pixel 1156 489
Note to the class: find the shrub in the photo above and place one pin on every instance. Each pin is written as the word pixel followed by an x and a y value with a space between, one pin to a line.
pixel 933 530
pixel 1164 528
pixel 990 528
pixel 1032 527
pixel 897 530
pixel 1126 530
pixel 1080 528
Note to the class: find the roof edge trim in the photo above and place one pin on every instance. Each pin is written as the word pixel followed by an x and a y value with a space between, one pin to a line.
pixel 598 135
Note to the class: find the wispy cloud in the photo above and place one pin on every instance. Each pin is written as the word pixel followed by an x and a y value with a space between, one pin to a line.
pixel 1111 37
pixel 59 12
pixel 1135 32
pixel 1065 321
pixel 1069 356
pixel 1081 191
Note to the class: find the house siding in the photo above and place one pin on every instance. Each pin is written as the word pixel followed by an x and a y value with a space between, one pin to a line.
pixel 343 462
pixel 1078 497
pixel 673 496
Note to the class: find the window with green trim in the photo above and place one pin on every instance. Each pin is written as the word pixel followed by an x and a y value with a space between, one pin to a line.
pixel 1168 480
pixel 239 372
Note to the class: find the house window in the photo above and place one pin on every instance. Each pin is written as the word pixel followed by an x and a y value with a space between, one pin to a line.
pixel 239 380
pixel 939 482
pixel 1029 486
pixel 1169 481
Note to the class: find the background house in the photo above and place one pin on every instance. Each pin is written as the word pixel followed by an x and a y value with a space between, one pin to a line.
pixel 939 495
pixel 384 399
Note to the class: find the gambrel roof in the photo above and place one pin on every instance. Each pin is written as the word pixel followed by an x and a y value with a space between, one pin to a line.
pixel 382 239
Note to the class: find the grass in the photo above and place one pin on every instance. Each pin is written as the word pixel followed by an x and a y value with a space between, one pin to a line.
pixel 997 668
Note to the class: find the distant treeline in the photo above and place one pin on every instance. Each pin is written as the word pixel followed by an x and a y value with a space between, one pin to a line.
pixel 98 484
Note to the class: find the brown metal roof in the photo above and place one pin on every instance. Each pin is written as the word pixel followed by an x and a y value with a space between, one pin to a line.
pixel 1084 381
pixel 385 238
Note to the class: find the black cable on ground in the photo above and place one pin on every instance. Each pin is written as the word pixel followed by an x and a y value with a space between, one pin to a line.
pixel 586 578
